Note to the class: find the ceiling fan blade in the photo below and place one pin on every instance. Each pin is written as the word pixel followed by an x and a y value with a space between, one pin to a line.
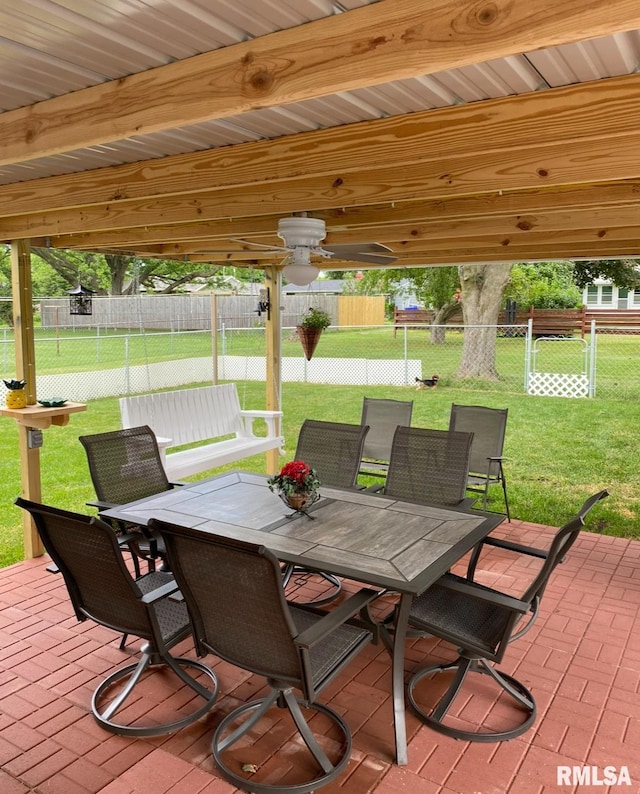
pixel 274 248
pixel 373 253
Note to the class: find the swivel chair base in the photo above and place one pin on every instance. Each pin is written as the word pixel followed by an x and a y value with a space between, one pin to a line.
pixel 464 666
pixel 289 571
pixel 104 714
pixel 256 710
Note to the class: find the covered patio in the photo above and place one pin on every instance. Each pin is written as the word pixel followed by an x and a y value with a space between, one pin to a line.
pixel 454 133
pixel 581 660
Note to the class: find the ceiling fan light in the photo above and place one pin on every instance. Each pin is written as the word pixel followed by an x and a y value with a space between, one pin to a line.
pixel 300 275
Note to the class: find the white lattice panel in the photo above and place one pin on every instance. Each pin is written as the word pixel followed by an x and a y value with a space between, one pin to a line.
pixel 558 384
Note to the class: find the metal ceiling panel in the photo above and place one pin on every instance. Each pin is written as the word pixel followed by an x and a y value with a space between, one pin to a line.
pixel 590 60
pixel 50 48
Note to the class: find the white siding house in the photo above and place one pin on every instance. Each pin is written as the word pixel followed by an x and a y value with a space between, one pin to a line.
pixel 605 295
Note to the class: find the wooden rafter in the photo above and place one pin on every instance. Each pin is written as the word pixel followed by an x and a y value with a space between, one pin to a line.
pixel 379 43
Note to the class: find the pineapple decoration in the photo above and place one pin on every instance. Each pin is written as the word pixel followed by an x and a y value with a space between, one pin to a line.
pixel 16 396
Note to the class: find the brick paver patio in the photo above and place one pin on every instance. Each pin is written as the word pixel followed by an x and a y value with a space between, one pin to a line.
pixel 581 660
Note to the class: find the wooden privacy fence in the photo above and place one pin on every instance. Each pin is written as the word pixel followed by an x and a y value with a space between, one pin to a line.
pixel 193 312
pixel 546 322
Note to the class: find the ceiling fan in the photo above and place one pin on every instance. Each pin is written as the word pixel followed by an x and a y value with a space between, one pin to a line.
pixel 302 236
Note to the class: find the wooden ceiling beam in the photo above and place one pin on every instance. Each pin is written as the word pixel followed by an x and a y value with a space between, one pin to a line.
pixel 576 205
pixel 375 44
pixel 428 238
pixel 616 157
pixel 588 111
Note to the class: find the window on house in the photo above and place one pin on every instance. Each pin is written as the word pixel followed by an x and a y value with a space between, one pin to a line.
pixel 592 295
pixel 606 298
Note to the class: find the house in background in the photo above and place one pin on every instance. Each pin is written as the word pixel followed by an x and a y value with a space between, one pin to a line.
pixel 602 294
pixel 322 286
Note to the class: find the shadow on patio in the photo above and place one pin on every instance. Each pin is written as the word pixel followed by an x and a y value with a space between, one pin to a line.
pixel 581 660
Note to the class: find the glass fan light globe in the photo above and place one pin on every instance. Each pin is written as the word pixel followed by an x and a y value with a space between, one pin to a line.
pixel 300 275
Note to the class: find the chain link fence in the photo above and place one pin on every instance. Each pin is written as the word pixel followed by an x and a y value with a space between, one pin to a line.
pixel 86 363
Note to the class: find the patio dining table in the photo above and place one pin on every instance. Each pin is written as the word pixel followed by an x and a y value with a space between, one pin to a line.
pixel 366 537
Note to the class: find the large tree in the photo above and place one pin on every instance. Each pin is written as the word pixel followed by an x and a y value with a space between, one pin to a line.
pixel 482 287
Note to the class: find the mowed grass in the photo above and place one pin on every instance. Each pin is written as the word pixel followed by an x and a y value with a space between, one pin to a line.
pixel 559 450
pixel 87 350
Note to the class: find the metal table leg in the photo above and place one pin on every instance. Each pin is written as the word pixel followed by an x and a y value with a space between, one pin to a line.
pixel 397 668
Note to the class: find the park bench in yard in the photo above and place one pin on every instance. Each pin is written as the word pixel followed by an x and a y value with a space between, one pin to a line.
pixel 206 414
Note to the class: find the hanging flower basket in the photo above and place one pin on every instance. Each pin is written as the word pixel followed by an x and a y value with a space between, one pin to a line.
pixel 310 329
pixel 309 338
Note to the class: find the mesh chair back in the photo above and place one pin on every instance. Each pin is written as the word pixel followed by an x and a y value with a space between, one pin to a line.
pixel 562 542
pixel 333 449
pixel 236 601
pixel 429 466
pixel 383 416
pixel 488 426
pixel 87 553
pixel 125 465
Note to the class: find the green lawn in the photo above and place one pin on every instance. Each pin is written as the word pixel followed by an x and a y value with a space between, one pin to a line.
pixel 86 350
pixel 559 450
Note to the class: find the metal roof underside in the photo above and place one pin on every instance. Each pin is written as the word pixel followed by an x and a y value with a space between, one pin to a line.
pixel 51 49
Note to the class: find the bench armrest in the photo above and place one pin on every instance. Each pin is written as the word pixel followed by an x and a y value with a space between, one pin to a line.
pixel 269 417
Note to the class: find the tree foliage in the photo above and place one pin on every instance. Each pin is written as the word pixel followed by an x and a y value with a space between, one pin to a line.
pixel 622 272
pixel 434 287
pixel 118 274
pixel 544 285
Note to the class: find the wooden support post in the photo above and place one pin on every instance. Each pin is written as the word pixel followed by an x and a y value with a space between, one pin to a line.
pixel 214 337
pixel 273 280
pixel 26 370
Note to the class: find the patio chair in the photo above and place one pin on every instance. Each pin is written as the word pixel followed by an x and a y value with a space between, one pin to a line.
pixel 481 622
pixel 488 426
pixel 241 615
pixel 429 466
pixel 101 589
pixel 334 450
pixel 125 465
pixel 382 416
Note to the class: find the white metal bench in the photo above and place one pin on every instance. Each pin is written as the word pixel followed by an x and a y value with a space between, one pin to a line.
pixel 204 414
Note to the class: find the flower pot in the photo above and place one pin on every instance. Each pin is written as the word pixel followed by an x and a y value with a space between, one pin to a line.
pixel 309 339
pixel 297 501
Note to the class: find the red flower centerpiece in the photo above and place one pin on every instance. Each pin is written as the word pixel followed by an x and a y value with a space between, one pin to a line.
pixel 297 484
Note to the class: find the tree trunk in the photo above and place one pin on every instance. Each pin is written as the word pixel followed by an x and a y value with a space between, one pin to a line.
pixel 442 315
pixel 118 265
pixel 482 289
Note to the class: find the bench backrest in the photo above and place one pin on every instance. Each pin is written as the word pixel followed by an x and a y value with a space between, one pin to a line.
pixel 186 415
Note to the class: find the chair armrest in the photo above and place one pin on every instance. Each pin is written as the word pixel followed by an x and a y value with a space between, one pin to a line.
pixel 160 592
pixel 483 594
pixel 100 505
pixel 331 620
pixel 517 547
pixel 377 488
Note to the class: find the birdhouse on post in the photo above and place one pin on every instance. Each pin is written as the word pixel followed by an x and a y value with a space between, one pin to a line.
pixel 80 300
